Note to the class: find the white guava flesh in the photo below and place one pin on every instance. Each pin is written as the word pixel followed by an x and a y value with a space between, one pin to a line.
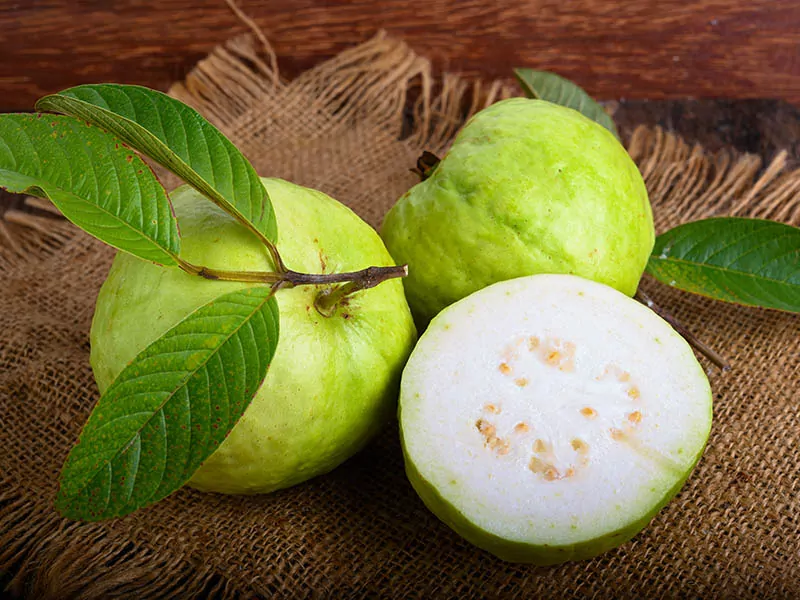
pixel 549 418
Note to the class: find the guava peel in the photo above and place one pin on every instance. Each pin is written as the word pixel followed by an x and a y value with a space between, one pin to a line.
pixel 527 187
pixel 549 418
pixel 333 381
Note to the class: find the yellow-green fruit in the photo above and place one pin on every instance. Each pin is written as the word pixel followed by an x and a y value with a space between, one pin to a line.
pixel 333 381
pixel 527 187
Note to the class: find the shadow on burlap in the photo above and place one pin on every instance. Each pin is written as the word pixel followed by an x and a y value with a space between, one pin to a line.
pixel 353 127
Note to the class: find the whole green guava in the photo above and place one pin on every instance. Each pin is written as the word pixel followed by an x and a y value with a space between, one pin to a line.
pixel 334 379
pixel 527 187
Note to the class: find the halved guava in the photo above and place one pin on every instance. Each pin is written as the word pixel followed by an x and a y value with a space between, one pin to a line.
pixel 549 418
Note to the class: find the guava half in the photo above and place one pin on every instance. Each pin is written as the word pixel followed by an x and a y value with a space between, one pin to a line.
pixel 549 418
pixel 527 187
pixel 334 379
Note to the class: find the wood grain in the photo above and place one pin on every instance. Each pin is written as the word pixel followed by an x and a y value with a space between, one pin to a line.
pixel 614 48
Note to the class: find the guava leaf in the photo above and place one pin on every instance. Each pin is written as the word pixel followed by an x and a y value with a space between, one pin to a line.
pixel 178 138
pixel 87 173
pixel 554 88
pixel 171 407
pixel 747 261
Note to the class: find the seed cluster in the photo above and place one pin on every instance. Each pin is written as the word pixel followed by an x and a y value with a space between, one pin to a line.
pixel 556 353
pixel 543 461
pixel 613 371
pixel 494 443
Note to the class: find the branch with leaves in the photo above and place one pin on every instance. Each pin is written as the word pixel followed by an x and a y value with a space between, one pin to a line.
pixel 160 419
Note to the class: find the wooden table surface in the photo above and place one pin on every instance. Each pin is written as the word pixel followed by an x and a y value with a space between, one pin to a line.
pixel 614 48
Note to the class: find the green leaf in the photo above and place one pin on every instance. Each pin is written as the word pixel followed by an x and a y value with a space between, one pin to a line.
pixel 746 261
pixel 96 182
pixel 171 407
pixel 178 138
pixel 556 89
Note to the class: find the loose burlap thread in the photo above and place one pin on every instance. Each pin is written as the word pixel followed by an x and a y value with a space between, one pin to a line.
pixel 353 127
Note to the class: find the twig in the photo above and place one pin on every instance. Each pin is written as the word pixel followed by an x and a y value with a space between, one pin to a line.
pixel 694 342
pixel 426 163
pixel 353 281
pixel 360 280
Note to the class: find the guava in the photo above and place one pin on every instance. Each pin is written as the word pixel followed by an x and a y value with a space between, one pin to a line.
pixel 527 187
pixel 549 418
pixel 334 379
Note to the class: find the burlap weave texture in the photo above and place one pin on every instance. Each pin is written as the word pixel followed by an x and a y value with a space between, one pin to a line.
pixel 353 128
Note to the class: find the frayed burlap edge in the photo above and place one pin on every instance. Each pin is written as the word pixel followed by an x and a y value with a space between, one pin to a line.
pixel 386 84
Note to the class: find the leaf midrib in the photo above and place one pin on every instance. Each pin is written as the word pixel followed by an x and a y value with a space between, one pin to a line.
pixel 207 187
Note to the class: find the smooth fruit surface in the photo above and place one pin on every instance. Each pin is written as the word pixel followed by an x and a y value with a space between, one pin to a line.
pixel 527 187
pixel 333 381
pixel 549 418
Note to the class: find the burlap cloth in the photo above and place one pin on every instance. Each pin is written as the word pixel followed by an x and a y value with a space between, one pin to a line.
pixel 353 127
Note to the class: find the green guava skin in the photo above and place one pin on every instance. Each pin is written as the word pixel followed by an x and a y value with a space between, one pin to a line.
pixel 520 552
pixel 333 382
pixel 527 187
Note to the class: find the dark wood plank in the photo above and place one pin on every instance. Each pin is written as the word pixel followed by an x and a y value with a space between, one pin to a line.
pixel 763 127
pixel 614 48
